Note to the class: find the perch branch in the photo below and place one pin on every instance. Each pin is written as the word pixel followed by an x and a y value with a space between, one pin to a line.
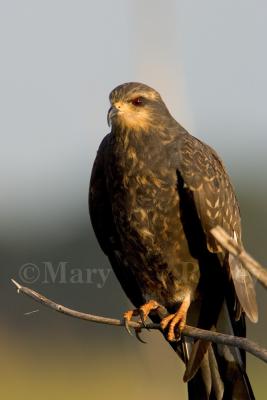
pixel 255 268
pixel 189 331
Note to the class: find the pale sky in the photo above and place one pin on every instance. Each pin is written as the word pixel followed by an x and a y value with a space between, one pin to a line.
pixel 59 61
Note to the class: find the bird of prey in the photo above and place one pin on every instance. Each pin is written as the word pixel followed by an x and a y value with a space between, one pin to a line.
pixel 155 194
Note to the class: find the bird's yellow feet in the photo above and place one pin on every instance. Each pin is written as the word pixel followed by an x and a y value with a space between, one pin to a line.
pixel 177 320
pixel 142 312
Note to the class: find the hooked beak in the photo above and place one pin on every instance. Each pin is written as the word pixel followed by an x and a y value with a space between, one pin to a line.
pixel 111 113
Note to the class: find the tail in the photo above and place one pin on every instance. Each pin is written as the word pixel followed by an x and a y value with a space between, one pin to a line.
pixel 215 371
pixel 221 373
pixel 219 379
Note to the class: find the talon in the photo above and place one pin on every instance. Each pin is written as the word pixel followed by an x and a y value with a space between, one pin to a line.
pixel 127 318
pixel 176 320
pixel 137 334
pixel 143 312
pixel 126 325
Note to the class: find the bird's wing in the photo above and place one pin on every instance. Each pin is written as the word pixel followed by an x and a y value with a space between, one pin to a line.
pixel 205 184
pixel 204 176
pixel 106 234
pixel 103 225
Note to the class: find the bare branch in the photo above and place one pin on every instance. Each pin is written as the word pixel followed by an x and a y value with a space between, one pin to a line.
pixel 255 268
pixel 189 331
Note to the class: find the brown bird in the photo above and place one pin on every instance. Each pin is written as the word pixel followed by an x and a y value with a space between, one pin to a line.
pixel 155 193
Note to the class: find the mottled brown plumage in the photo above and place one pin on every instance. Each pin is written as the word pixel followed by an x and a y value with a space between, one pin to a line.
pixel 155 193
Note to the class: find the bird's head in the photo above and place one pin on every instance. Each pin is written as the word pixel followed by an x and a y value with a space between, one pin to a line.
pixel 135 106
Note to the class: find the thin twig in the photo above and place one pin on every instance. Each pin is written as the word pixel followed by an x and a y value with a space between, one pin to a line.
pixel 189 331
pixel 255 268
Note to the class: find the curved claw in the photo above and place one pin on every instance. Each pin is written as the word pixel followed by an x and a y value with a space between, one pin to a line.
pixel 137 334
pixel 127 318
pixel 143 313
pixel 126 325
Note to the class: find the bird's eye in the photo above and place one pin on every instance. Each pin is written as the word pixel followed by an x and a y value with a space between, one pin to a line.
pixel 138 101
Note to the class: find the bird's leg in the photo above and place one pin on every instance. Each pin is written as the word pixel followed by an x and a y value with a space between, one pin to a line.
pixel 176 320
pixel 143 312
pixel 146 308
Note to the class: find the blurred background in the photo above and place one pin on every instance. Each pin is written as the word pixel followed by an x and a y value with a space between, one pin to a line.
pixel 59 61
